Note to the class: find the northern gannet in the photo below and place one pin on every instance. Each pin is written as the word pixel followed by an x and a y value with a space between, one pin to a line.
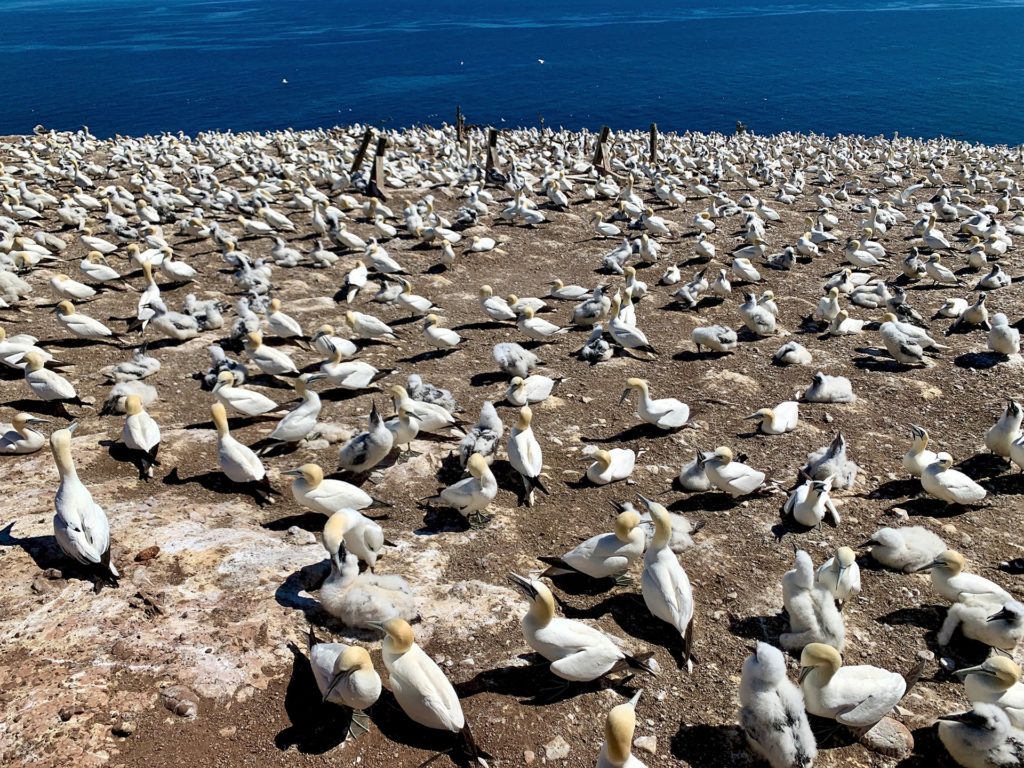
pixel 617 748
pixel 840 575
pixel 717 338
pixel 986 619
pixel 367 449
pixel 905 549
pixel 270 360
pixel 141 435
pixel 778 420
pixel 732 477
pixel 829 389
pixel 239 462
pixel 952 583
pixel 361 599
pixel 831 461
pixel 1006 430
pixel 608 466
pixel 240 399
pixel 982 738
pixel 311 490
pixel 666 413
pixel 524 454
pixel 997 680
pixel 471 496
pixel 607 555
pixel 439 336
pixel 18 438
pixel 813 616
pixel 810 504
pixel 918 458
pixel 82 326
pixel 346 677
pixel 537 328
pixel 950 485
pixel 45 384
pixel 533 389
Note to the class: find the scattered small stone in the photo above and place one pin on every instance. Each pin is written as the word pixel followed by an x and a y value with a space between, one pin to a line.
pixel 528 757
pixel 123 728
pixel 901 513
pixel 827 418
pixel 890 738
pixel 180 700
pixel 718 615
pixel 299 536
pixel 586 399
pixel 949 529
pixel 53 574
pixel 66 713
pixel 557 749
pixel 966 540
pixel 228 731
pixel 147 554
pixel 555 440
pixel 40 584
pixel 647 744
pixel 732 596
pixel 926 655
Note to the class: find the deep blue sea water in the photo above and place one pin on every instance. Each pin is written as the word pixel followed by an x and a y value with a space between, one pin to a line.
pixel 945 67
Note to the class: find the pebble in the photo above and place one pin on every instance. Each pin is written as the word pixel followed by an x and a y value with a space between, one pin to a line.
pixel 901 513
pixel 66 713
pixel 647 744
pixel 949 529
pixel 890 738
pixel 966 540
pixel 827 418
pixel 180 700
pixel 557 749
pixel 528 757
pixel 147 554
pixel 40 584
pixel 123 728
pixel 926 655
pixel 296 535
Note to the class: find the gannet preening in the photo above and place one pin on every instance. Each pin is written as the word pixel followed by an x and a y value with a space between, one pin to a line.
pixel 982 738
pixel 664 584
pixel 533 389
pixel 829 389
pixel 311 490
pixel 813 616
pixel 18 437
pixel 471 496
pixel 858 696
pixel 346 677
pixel 905 549
pixel 327 344
pixel 810 504
pixel 361 599
pixel 67 288
pixel 625 335
pixel 141 435
pixel 987 619
pixel 840 575
pixel 918 458
pixel 607 555
pixel 831 461
pixel 524 454
pixel 1006 430
pixel 717 338
pixel 239 399
pixel 608 466
pixel 772 711
pixel 484 438
pixel 758 319
pixel 665 413
pixel 514 360
pixel 732 477
pixel 80 525
pixel 952 583
pixel 950 485
pixel 577 651
pixel 238 462
pixel 792 353
pixel 996 681
pixel 367 449
pixel 617 747
pixel 778 420
pixel 421 688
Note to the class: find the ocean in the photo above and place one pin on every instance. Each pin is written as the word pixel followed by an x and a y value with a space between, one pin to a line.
pixel 946 67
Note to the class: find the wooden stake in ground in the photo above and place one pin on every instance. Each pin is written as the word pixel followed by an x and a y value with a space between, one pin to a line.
pixel 375 186
pixel 493 173
pixel 361 154
pixel 602 156
pixel 654 143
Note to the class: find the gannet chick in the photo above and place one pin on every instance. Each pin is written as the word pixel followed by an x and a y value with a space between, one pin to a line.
pixel 732 477
pixel 692 476
pixel 810 504
pixel 272 361
pixel 367 449
pixel 80 525
pixel 532 389
pixel 951 582
pixel 625 335
pixel 772 711
pixel 664 584
pixel 577 651
pixel 778 420
pixel 813 616
pixel 609 466
pixel 1003 338
pixel 537 328
pixel 792 353
pixel 361 599
pixel 982 738
pixel 18 438
pixel 986 619
pixel 483 438
pixel 619 726
pixel 857 697
pixel 220 362
pixel 45 384
pixel 950 485
pixel 593 310
pixel 596 348
pixel 829 389
pixel 831 461
pixel 514 360
pixel 141 435
pixel 524 454
pixel 1006 430
pixel 607 555
pixel 757 318
pixel 718 338
pixel 421 688
pixel 996 681
pixel 918 458
pixel 239 399
pixel 905 549
pixel 666 413
pixel 346 677
pixel 140 366
pixel 840 575
pixel 426 392
pixel 311 490
pixel 471 496
pixel 431 417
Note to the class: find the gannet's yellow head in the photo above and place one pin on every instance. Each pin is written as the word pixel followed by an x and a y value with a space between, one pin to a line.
pixel 525 417
pixel 626 521
pixel 334 531
pixel 254 338
pixel 619 726
pixel 275 305
pixel 949 560
pixel 846 556
pixel 486 291
pixel 133 405
pixel 398 636
pixel 476 465
pixel 724 453
pixel 815 655
pixel 65 308
pixel 311 473
pixel 353 658
pixel 33 361
pixel 603 457
pixel 528 312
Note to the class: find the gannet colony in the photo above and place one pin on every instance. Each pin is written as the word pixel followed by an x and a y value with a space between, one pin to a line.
pixel 509 448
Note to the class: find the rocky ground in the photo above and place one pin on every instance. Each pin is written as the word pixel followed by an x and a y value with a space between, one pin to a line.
pixel 198 658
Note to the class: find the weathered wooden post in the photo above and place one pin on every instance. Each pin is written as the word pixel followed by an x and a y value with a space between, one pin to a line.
pixel 654 143
pixel 361 154
pixel 460 127
pixel 492 169
pixel 375 186
pixel 602 159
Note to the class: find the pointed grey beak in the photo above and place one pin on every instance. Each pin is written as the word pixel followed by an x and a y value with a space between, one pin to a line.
pixel 804 672
pixel 625 395
pixel 334 683
pixel 932 564
pixel 980 669
pixel 292 472
pixel 72 427
pixel 37 420
pixel 752 416
pixel 524 584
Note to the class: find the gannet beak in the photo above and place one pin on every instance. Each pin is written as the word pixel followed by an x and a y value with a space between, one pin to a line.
pixel 524 584
pixel 317 335
pixel 868 543
pixel 315 377
pixel 932 564
pixel 963 717
pixel 644 499
pixel 292 472
pixel 968 670
pixel 334 683
pixel 752 417
pixel 378 625
pixel 1001 616
pixel 72 427
pixel 37 420
pixel 622 399
pixel 804 672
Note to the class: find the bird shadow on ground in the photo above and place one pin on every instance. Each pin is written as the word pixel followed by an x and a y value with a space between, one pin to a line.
pixel 216 482
pixel 486 378
pixel 340 395
pixel 984 465
pixel 895 489
pixel 1005 485
pixel 122 454
pixel 481 326
pixel 55 408
pixel 307 579
pixel 398 728
pixel 711 746
pixel 978 360
pixel 316 726
pixel 764 628
pixel 928 751
pixel 689 356
pixel 579 584
pixel 307 521
pixel 441 520
pixel 643 431
pixel 926 506
pixel 234 424
pixel 533 684
pixel 927 617
pixel 882 365
pixel 710 501
pixel 431 354
pixel 270 382
pixel 43 550
pixel 628 610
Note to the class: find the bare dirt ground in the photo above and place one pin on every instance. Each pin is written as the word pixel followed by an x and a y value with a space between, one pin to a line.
pixel 224 608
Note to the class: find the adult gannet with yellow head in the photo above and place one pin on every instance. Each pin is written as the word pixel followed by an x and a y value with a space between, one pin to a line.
pixel 19 438
pixel 346 677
